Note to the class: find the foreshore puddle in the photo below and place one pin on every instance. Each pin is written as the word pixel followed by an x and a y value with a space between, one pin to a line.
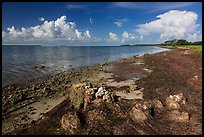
pixel 148 70
pixel 138 63
pixel 138 94
pixel 135 78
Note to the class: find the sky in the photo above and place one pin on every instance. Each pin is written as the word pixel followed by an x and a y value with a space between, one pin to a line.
pixel 100 23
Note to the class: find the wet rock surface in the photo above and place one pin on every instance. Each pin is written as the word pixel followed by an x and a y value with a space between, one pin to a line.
pixel 170 99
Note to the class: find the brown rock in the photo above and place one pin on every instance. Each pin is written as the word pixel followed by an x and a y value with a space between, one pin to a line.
pixel 157 104
pixel 119 130
pixel 97 102
pixel 178 116
pixel 95 115
pixel 137 114
pixel 70 122
pixel 171 103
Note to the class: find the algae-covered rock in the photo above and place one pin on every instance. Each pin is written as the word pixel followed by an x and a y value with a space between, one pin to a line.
pixel 107 98
pixel 133 87
pixel 91 92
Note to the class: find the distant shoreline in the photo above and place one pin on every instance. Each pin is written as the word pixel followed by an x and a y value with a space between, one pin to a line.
pixel 27 45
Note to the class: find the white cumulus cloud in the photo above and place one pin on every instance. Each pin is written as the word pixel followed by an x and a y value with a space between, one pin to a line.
pixel 60 29
pixel 127 37
pixel 113 37
pixel 173 24
pixel 120 22
pixel 41 19
pixel 91 20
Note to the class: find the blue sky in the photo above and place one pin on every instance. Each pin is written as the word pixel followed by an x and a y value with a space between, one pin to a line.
pixel 100 23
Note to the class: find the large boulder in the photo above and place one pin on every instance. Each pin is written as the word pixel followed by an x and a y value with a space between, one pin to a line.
pixel 71 122
pixel 77 94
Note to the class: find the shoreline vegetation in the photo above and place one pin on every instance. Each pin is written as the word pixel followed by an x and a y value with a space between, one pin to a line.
pixel 176 43
pixel 136 95
pixel 171 43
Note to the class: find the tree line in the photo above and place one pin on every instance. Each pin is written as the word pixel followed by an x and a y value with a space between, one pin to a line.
pixel 181 42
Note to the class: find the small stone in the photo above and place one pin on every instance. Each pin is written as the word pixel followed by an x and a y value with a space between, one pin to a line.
pixel 107 98
pixel 30 107
pixel 33 122
pixel 41 113
pixel 119 99
pixel 133 87
pixel 196 77
pixel 32 113
pixel 10 96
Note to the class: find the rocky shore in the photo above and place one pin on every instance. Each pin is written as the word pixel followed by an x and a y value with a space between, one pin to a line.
pixel 154 94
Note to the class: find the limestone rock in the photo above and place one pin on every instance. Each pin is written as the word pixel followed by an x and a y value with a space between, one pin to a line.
pixel 76 95
pixel 101 91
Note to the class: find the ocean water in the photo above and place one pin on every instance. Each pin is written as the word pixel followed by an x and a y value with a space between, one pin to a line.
pixel 18 62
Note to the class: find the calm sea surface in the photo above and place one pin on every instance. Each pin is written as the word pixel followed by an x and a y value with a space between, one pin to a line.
pixel 18 62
